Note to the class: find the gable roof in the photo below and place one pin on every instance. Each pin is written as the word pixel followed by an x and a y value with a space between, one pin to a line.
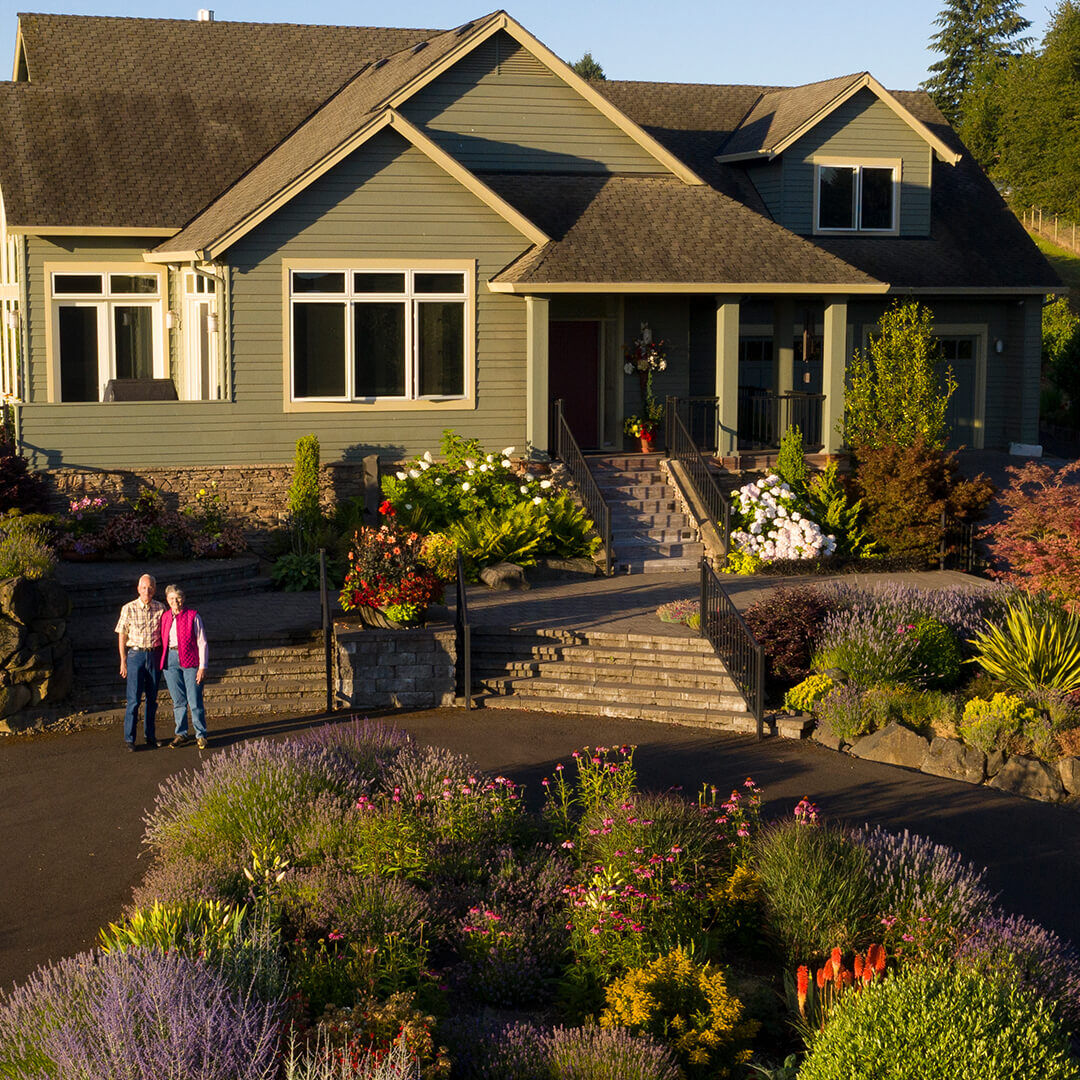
pixel 780 117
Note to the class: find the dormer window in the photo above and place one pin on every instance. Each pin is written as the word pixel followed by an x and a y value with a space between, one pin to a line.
pixel 856 197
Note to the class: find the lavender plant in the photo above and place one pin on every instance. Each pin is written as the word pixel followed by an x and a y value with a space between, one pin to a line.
pixel 593 1053
pixel 136 1015
pixel 930 899
pixel 369 746
pixel 482 1050
pixel 844 711
pixel 871 647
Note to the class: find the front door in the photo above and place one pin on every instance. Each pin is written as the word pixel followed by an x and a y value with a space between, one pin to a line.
pixel 574 376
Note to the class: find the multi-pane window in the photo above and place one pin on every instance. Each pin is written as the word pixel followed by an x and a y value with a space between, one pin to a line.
pixel 856 197
pixel 202 377
pixel 108 326
pixel 360 335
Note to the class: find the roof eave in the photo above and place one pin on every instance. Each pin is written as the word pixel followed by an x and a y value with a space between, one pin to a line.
pixel 695 287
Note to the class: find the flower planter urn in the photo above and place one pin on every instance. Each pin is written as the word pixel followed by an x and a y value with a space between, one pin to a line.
pixel 377 619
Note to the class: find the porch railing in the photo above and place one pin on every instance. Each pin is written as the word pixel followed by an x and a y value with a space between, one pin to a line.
pixel 463 636
pixel 682 448
pixel 568 451
pixel 732 641
pixel 764 416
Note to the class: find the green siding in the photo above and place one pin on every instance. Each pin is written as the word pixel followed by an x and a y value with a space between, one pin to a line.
pixel 500 109
pixel 769 181
pixel 387 200
pixel 863 127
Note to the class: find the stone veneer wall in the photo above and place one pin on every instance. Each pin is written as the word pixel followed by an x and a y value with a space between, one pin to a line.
pixel 257 494
pixel 395 668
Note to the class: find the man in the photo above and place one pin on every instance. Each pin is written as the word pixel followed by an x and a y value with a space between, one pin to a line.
pixel 139 637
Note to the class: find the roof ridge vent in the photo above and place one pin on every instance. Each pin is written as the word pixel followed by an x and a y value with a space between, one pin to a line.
pixel 204 15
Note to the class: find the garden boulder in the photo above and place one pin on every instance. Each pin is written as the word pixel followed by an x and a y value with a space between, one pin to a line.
pixel 893 745
pixel 1029 777
pixel 953 759
pixel 824 735
pixel 994 761
pixel 504 576
pixel 1069 771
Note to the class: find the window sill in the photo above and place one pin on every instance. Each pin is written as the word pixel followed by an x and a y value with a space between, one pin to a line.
pixel 385 405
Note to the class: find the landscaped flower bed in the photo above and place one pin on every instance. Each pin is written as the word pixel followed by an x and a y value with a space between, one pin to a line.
pixel 350 904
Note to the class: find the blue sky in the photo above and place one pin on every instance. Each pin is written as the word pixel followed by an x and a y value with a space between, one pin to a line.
pixel 780 42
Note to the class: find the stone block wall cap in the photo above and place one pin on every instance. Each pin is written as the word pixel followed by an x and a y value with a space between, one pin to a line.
pixel 894 744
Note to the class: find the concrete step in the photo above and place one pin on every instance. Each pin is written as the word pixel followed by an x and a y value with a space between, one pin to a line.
pixel 617 692
pixel 611 480
pixel 631 550
pixel 658 643
pixel 621 493
pixel 683 659
pixel 660 535
pixel 205 584
pixel 623 521
pixel 644 506
pixel 714 719
pixel 591 672
pixel 674 565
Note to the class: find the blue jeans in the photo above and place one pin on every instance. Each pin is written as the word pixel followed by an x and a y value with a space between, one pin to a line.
pixel 142 681
pixel 185 691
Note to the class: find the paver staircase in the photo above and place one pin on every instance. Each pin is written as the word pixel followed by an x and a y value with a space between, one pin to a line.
pixel 649 534
pixel 675 680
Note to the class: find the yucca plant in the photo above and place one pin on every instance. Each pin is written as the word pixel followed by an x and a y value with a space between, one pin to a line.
pixel 1037 647
pixel 197 927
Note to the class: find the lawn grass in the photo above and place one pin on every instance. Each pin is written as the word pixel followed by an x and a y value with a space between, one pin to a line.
pixel 1067 266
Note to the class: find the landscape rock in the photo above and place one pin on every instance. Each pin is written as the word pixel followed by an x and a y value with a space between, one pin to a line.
pixel 955 760
pixel 51 629
pixel 19 599
pixel 1069 771
pixel 825 736
pixel 1029 777
pixel 12 636
pixel 994 761
pixel 19 722
pixel 53 601
pixel 504 576
pixel 552 569
pixel 60 682
pixel 14 698
pixel 893 745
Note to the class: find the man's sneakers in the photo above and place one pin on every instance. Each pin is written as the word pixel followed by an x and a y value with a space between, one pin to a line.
pixel 180 740
pixel 201 740
pixel 129 746
pixel 152 744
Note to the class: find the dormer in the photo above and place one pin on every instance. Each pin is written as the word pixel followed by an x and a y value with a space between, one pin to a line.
pixel 842 157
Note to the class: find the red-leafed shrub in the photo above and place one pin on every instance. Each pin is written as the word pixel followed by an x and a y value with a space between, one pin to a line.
pixel 20 489
pixel 1036 546
pixel 786 624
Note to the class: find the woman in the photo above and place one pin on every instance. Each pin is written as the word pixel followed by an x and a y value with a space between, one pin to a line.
pixel 183 660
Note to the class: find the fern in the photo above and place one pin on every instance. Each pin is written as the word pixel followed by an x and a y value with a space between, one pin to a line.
pixel 508 535
pixel 568 529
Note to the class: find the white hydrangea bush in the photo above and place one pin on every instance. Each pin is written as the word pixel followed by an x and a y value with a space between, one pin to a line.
pixel 773 523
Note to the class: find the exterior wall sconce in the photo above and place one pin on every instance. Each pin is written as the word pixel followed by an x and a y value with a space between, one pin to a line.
pixel 11 319
pixel 212 323
pixel 999 346
pixel 170 320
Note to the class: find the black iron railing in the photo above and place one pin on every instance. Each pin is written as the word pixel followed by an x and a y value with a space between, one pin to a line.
pixel 957 550
pixel 764 416
pixel 463 634
pixel 568 451
pixel 682 448
pixel 734 643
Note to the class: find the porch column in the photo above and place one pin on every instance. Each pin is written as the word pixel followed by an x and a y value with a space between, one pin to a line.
pixel 727 375
pixel 834 369
pixel 536 373
pixel 783 347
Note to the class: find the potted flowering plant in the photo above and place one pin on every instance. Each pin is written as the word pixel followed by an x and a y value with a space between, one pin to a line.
pixel 644 358
pixel 389 583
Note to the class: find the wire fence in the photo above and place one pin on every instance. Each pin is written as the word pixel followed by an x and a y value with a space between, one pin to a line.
pixel 1053 227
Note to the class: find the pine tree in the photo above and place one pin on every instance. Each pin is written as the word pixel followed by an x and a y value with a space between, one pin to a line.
pixel 971 33
pixel 589 69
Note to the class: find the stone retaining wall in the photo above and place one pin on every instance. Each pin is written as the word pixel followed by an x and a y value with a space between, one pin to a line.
pixel 395 668
pixel 257 494
pixel 35 651
pixel 955 760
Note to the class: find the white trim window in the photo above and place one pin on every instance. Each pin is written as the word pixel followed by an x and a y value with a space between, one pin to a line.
pixel 856 197
pixel 107 325
pixel 203 377
pixel 363 334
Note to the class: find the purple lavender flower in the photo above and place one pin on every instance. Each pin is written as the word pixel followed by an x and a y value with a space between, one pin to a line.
pixel 137 1015
pixel 485 1051
pixel 368 745
pixel 592 1053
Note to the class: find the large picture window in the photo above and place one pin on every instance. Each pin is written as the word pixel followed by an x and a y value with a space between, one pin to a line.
pixel 361 334
pixel 856 198
pixel 107 326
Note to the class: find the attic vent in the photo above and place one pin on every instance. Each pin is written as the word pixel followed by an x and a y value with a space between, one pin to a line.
pixel 512 59
pixel 464 28
pixel 419 46
pixel 205 15
pixel 378 63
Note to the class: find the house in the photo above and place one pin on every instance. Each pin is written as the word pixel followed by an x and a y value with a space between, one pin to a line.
pixel 217 237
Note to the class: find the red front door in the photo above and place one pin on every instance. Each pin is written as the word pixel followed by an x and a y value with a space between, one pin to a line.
pixel 574 376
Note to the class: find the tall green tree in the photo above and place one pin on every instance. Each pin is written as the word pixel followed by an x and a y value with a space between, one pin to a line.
pixel 588 68
pixel 971 33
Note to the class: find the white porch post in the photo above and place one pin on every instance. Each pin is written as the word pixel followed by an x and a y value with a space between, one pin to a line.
pixel 834 369
pixel 727 374
pixel 783 348
pixel 536 373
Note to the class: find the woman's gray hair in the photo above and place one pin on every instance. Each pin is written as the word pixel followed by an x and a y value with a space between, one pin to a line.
pixel 174 590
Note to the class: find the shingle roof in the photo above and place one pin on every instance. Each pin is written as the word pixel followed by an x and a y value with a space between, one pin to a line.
pixel 337 120
pixel 646 229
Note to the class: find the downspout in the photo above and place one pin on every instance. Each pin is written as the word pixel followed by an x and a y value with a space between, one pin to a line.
pixel 22 248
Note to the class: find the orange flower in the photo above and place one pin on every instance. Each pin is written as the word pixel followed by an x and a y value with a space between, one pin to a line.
pixel 837 960
pixel 802 977
pixel 822 977
pixel 875 957
pixel 858 966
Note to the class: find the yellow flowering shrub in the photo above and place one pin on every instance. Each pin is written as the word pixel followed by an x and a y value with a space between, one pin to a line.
pixel 688 1006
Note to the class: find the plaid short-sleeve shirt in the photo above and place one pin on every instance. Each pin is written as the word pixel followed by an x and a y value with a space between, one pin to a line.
pixel 141 623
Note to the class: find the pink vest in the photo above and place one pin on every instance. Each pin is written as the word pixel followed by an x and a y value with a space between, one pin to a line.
pixel 187 646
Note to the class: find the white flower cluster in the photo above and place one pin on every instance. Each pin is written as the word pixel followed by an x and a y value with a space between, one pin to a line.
pixel 775 526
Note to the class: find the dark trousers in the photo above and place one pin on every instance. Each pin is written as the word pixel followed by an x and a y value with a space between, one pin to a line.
pixel 143 669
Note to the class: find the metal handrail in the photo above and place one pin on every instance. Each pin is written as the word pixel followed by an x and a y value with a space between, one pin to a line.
pixel 568 451
pixel 682 448
pixel 463 638
pixel 734 643
pixel 957 548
